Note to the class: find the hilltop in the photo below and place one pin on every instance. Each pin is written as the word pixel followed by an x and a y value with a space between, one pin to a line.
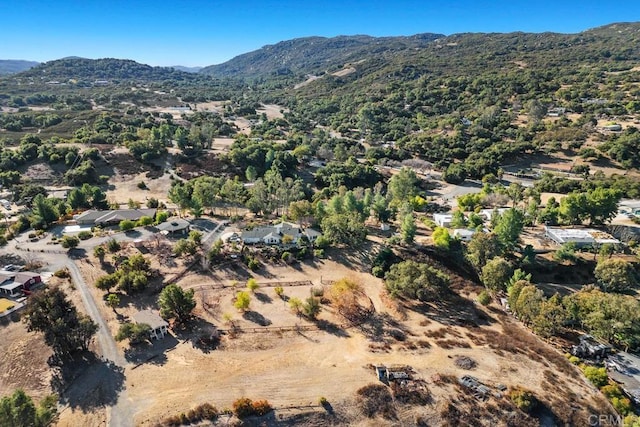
pixel 106 68
pixel 12 66
pixel 313 54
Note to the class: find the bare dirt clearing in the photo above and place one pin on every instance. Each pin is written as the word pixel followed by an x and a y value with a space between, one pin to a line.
pixel 293 369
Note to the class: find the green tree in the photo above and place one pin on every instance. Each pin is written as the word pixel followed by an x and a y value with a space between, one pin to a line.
pixel 113 301
pixel 135 332
pixel 65 331
pixel 44 212
pixel 252 285
pixel 176 303
pixel 344 229
pixel 566 252
pixel 482 248
pixel 441 238
pixel 551 317
pixel 408 228
pixel 574 208
pixel 412 280
pixel 615 275
pixel 18 410
pixel 508 228
pixel 402 187
pixel 496 273
pixel 311 308
pixel 454 174
pixel 458 220
pixel 295 304
pixel 99 252
pixel 243 300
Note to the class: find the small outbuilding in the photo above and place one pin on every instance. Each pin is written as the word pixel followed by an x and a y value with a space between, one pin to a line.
pixel 159 326
pixel 443 220
pixel 463 234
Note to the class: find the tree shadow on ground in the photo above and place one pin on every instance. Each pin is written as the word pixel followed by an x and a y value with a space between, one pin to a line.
pixel 77 253
pixel 359 257
pixel 453 310
pixel 87 382
pixel 201 333
pixel 255 317
pixel 382 326
pixel 152 352
pixel 332 328
pixel 263 298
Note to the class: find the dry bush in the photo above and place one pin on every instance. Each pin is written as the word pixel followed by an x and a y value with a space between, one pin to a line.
pixel 379 347
pixel 376 399
pixel 438 333
pixel 442 379
pixel 345 295
pixel 202 412
pixel 464 362
pixel 413 392
pixel 449 344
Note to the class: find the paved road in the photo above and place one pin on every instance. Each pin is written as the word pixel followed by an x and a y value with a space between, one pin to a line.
pixel 121 414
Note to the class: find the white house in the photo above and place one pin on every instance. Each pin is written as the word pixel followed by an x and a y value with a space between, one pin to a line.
pixel 443 220
pixel 581 237
pixel 273 234
pixel 487 214
pixel 463 234
pixel 159 326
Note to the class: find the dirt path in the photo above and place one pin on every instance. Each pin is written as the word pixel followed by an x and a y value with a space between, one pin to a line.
pixel 122 413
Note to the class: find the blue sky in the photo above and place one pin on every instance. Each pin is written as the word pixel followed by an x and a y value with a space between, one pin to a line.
pixel 199 32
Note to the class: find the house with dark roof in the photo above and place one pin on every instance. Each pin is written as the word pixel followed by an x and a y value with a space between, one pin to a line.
pixel 273 234
pixel 112 217
pixel 174 227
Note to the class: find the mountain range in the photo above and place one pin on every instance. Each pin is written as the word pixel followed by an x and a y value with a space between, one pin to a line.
pixel 359 55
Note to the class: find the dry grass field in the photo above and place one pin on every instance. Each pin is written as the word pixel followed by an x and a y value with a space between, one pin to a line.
pixel 294 368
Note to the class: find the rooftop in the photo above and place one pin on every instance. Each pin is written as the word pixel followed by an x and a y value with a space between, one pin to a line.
pixel 150 318
pixel 100 217
pixel 173 224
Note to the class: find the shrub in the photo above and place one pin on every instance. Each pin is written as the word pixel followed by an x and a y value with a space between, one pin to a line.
pixel 85 235
pixel 242 407
pixel 153 203
pixel 253 264
pixel 113 246
pixel 245 407
pixel 62 273
pixel 597 376
pixel 279 290
pixel 523 399
pixel 261 407
pixel 144 221
pixel 323 401
pixel 378 271
pixel 142 185
pixel 126 225
pixel 318 253
pixel 69 242
pixel 484 298
pixel 252 285
pixel 322 242
pixel 286 257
